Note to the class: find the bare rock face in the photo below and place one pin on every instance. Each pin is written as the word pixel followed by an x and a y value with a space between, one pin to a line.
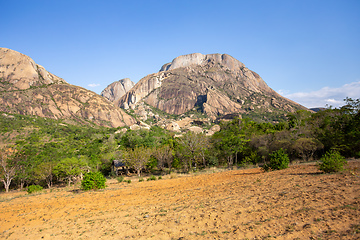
pixel 19 71
pixel 139 91
pixel 27 88
pixel 173 126
pixel 117 89
pixel 200 59
pixel 216 84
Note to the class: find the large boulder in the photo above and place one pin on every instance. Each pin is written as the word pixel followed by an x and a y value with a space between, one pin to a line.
pixel 117 89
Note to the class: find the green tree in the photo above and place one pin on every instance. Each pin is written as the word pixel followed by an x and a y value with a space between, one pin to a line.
pixel 191 149
pixel 278 160
pixel 164 155
pixel 93 180
pixel 24 165
pixel 306 147
pixel 231 140
pixel 44 171
pixel 70 168
pixel 137 158
pixel 332 161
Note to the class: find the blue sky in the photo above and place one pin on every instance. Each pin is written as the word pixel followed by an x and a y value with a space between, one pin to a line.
pixel 309 51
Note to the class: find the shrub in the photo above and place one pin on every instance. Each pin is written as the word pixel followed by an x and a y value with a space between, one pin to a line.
pixel 120 179
pixel 34 188
pixel 141 179
pixel 252 158
pixel 152 178
pixel 160 177
pixel 278 160
pixel 332 161
pixel 93 180
pixel 128 181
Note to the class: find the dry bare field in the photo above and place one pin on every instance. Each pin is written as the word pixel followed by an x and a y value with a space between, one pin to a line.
pixel 295 203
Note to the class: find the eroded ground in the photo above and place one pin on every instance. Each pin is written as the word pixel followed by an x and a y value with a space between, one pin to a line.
pixel 295 203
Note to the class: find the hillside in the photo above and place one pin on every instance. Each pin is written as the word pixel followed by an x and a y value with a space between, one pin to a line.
pixel 27 88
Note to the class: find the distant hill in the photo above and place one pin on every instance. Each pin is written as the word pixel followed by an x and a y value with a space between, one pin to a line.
pixel 317 109
pixel 28 89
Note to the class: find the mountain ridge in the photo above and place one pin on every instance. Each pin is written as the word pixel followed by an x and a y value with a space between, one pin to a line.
pixel 27 88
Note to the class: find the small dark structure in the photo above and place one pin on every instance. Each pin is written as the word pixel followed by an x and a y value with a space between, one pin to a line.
pixel 119 166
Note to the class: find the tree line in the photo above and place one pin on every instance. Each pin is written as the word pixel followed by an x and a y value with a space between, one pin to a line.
pixel 44 151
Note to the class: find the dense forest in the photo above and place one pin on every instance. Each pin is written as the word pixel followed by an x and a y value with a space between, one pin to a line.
pixel 44 151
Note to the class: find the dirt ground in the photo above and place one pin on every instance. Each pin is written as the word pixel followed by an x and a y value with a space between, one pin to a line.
pixel 295 203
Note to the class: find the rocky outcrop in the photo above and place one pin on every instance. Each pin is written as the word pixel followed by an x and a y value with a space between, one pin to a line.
pixel 27 88
pixel 145 86
pixel 117 89
pixel 200 59
pixel 215 84
pixel 19 72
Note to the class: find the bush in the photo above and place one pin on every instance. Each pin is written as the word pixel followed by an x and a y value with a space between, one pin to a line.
pixel 152 178
pixel 93 180
pixel 278 160
pixel 34 188
pixel 120 179
pixel 141 179
pixel 332 161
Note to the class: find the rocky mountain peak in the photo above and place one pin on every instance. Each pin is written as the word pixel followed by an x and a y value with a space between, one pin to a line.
pixel 117 89
pixel 200 59
pixel 21 72
pixel 214 84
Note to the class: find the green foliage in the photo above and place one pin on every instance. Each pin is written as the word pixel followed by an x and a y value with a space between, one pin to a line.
pixel 332 161
pixel 152 178
pixel 252 158
pixel 69 168
pixel 137 158
pixel 152 163
pixel 306 147
pixel 93 180
pixel 278 160
pixel 120 179
pixel 144 138
pixel 192 150
pixel 231 140
pixel 141 179
pixel 34 188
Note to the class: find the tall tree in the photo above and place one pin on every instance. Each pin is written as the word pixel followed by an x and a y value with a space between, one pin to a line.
pixel 137 158
pixel 8 168
pixel 164 155
pixel 230 141
pixel 192 149
pixel 70 168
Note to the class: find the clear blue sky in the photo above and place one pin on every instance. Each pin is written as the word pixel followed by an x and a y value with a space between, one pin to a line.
pixel 307 50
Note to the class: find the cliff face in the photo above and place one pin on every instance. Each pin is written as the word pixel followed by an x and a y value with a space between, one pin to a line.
pixel 27 88
pixel 117 89
pixel 217 84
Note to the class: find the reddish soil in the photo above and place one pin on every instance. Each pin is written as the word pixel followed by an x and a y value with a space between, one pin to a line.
pixel 295 203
